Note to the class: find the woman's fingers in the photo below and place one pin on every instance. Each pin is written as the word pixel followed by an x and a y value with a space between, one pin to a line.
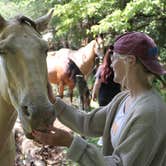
pixel 42 137
pixel 54 136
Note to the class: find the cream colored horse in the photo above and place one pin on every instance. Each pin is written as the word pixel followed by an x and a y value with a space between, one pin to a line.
pixel 23 82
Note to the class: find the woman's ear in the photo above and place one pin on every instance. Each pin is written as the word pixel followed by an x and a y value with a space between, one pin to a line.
pixel 131 59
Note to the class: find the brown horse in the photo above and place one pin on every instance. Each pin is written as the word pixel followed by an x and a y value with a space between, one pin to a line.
pixel 70 77
pixel 84 58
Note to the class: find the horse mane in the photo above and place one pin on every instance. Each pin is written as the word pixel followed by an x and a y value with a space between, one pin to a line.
pixel 90 44
pixel 25 20
pixel 73 70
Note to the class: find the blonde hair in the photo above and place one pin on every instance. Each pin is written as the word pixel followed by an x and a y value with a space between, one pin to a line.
pixel 149 75
pixel 146 77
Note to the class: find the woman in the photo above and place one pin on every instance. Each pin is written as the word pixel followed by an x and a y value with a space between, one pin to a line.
pixel 132 124
pixel 104 87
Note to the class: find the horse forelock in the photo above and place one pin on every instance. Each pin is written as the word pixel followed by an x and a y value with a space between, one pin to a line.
pixel 25 20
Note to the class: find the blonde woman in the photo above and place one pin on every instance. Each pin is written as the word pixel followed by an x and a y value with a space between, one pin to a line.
pixel 132 124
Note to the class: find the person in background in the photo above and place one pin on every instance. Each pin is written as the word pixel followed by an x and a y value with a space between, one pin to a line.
pixel 104 87
pixel 132 124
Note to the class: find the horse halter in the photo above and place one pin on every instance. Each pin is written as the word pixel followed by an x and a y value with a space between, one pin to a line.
pixel 100 47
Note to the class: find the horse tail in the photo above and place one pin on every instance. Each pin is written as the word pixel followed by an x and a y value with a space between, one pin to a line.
pixel 73 70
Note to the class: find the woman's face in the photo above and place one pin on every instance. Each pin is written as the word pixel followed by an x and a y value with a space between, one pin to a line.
pixel 118 65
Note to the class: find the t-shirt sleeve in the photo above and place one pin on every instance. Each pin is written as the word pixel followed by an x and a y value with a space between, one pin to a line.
pixel 98 73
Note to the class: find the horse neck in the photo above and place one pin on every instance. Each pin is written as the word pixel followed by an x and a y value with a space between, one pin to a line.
pixel 3 82
pixel 8 118
pixel 88 58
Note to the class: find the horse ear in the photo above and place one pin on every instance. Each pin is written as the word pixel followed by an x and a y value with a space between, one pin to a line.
pixel 42 22
pixel 101 35
pixel 2 23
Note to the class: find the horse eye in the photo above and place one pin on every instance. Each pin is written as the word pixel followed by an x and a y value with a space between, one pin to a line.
pixel 46 50
pixel 2 52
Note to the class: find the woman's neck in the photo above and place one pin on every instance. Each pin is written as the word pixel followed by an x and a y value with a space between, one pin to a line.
pixel 138 89
pixel 137 82
pixel 135 93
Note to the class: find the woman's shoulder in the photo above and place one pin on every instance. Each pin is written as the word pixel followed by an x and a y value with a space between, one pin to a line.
pixel 152 99
pixel 151 103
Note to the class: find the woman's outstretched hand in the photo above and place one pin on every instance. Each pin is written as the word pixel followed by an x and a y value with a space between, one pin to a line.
pixel 54 136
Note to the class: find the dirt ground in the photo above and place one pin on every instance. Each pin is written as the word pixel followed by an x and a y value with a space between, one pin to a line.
pixel 30 153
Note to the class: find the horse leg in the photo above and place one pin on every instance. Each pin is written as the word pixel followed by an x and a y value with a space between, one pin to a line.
pixel 71 94
pixel 61 89
pixel 82 102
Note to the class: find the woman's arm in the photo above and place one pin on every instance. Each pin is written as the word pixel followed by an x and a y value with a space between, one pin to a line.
pixel 91 124
pixel 134 149
pixel 96 88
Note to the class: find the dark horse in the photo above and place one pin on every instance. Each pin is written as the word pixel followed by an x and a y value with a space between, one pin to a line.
pixel 84 93
pixel 76 75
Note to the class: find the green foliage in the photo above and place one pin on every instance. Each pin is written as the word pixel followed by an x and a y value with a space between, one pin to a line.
pixel 6 7
pixel 160 84
pixel 76 19
pixel 93 140
pixel 90 17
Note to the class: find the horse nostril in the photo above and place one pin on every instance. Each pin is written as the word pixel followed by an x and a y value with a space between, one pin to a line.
pixel 25 110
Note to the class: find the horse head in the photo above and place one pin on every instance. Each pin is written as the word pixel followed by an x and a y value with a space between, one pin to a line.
pixel 23 71
pixel 99 46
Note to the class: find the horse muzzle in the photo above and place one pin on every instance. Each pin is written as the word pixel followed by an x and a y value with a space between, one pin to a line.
pixel 36 118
